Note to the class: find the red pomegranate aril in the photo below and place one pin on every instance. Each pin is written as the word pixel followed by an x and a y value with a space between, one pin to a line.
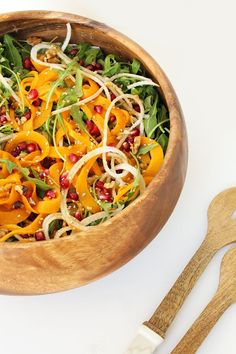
pixel 73 51
pixel 98 108
pixel 78 216
pixel 51 194
pixel 43 174
pixel 105 197
pixel 31 147
pixel 106 191
pixel 33 94
pixel 74 158
pixel 126 146
pixel 3 119
pixel 113 96
pixel 27 192
pixel 130 139
pixel 37 102
pixel 135 132
pixel 99 184
pixel 90 67
pixel 73 195
pixel 112 119
pixel 39 236
pixel 95 131
pixel 27 63
pixel 28 115
pixel 136 107
pixel 98 66
pixel 16 152
pixel 31 174
pixel 81 62
pixel 64 182
pixel 22 146
pixel 89 124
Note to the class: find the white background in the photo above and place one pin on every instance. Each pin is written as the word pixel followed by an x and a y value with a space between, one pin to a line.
pixel 194 42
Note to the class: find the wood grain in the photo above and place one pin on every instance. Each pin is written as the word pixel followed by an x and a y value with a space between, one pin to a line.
pixel 224 297
pixel 57 265
pixel 221 231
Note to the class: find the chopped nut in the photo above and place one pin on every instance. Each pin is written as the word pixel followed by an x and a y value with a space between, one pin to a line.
pixel 33 40
pixel 31 201
pixel 23 120
pixel 7 187
pixel 109 185
pixel 50 53
pixel 19 189
pixel 3 232
pixel 136 144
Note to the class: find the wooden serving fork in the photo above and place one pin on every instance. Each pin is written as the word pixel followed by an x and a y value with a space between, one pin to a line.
pixel 224 297
pixel 221 231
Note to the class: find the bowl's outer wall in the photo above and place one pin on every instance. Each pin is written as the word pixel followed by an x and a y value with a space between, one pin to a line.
pixel 51 266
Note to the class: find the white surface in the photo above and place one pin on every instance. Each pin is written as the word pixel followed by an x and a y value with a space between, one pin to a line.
pixel 194 42
pixel 145 342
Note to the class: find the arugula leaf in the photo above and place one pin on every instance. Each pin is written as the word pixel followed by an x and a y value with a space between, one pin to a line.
pixel 79 83
pixel 91 55
pixel 135 66
pixel 159 125
pixel 145 149
pixel 77 115
pixel 25 173
pixel 111 66
pixel 163 141
pixel 6 129
pixel 11 51
pixel 151 122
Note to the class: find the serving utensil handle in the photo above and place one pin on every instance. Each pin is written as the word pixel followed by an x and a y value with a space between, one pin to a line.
pixel 202 326
pixel 170 305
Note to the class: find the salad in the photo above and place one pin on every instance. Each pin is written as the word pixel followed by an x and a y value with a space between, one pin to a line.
pixel 82 134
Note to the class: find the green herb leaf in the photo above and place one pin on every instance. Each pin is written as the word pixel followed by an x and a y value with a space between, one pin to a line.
pixel 25 173
pixel 135 66
pixel 111 66
pixel 91 55
pixel 79 83
pixel 163 141
pixel 11 52
pixel 151 122
pixel 77 115
pixel 145 149
pixel 6 129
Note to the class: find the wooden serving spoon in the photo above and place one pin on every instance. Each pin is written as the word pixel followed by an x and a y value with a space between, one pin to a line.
pixel 221 231
pixel 223 298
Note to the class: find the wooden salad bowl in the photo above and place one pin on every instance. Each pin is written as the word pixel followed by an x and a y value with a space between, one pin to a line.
pixel 56 265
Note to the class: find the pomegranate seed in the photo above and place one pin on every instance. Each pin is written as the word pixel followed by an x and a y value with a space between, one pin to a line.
pixel 98 66
pixel 78 216
pixel 72 194
pixel 51 194
pixel 22 146
pixel 135 132
pixel 27 192
pixel 31 174
pixel 16 152
pixel 126 146
pixel 31 147
pixel 112 119
pixel 89 124
pixel 3 119
pixel 43 174
pixel 113 96
pixel 17 205
pixel 119 171
pixel 95 131
pixel 74 158
pixel 39 236
pixel 98 108
pixel 99 185
pixel 25 236
pixel 90 67
pixel 33 94
pixel 136 107
pixel 81 62
pixel 28 115
pixel 73 51
pixel 111 144
pixel 64 182
pixel 105 197
pixel 14 170
pixel 130 139
pixel 27 63
pixel 37 102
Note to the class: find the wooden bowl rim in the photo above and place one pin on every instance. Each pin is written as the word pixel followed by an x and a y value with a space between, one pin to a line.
pixel 175 114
